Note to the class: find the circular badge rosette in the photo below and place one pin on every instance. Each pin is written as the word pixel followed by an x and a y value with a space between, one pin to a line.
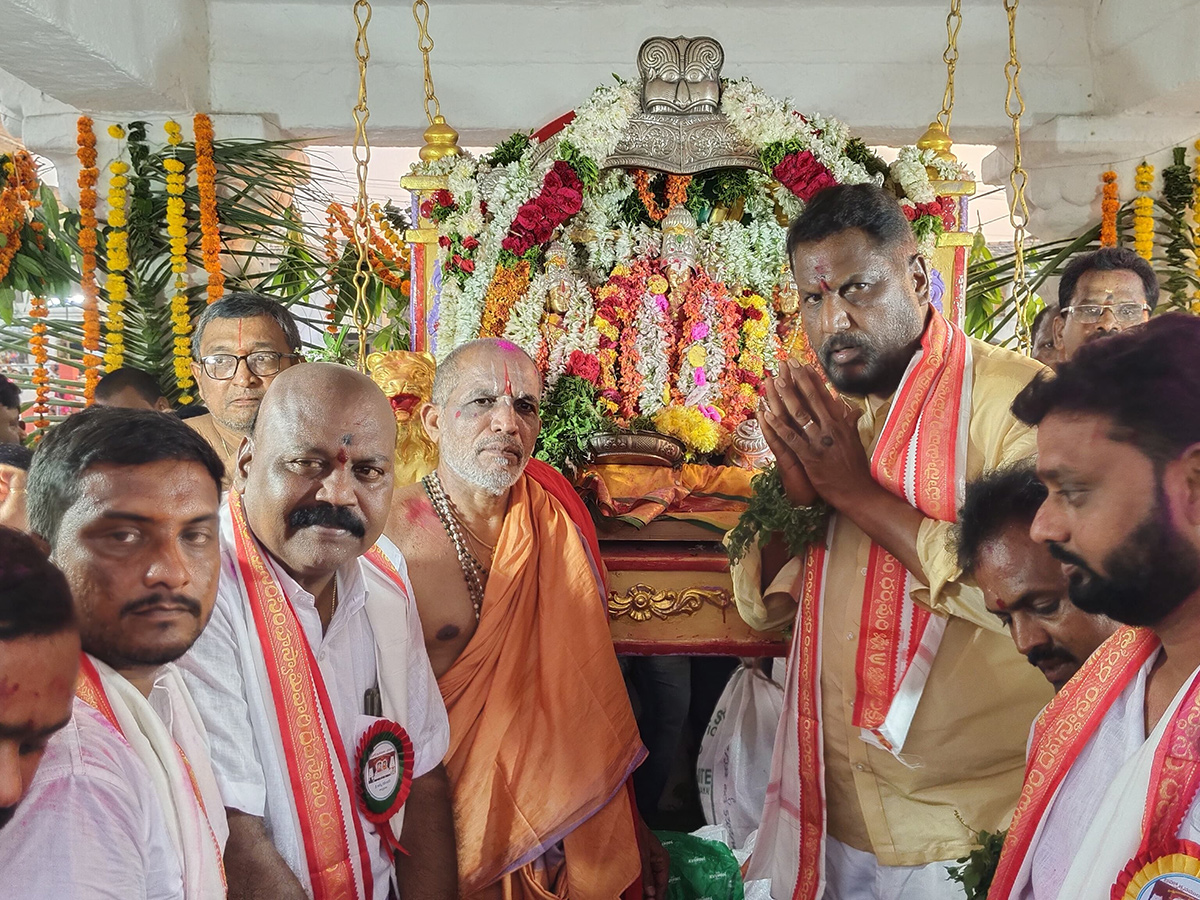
pixel 1168 873
pixel 384 774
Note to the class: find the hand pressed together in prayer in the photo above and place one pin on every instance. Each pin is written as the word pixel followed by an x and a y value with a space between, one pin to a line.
pixel 814 438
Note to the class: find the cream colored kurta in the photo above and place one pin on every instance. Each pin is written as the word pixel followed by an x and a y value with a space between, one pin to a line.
pixel 966 747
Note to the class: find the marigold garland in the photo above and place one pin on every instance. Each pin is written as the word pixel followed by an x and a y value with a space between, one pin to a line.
pixel 20 175
pixel 116 258
pixel 677 188
pixel 335 215
pixel 507 287
pixel 1108 210
pixel 41 375
pixel 181 320
pixel 1143 212
pixel 89 177
pixel 206 186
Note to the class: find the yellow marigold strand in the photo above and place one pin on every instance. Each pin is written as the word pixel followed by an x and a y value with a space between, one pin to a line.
pixel 335 216
pixel 116 252
pixel 1143 212
pixel 41 375
pixel 89 177
pixel 1196 221
pixel 1109 206
pixel 506 289
pixel 181 320
pixel 206 186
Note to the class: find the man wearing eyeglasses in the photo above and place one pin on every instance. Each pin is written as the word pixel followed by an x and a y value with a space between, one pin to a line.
pixel 1101 293
pixel 240 344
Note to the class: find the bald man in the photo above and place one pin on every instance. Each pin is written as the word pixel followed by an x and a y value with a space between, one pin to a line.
pixel 542 736
pixel 312 677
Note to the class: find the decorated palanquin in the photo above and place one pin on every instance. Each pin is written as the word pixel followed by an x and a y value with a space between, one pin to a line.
pixel 635 248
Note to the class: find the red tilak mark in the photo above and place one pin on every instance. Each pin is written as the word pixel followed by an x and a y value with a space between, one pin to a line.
pixel 507 384
pixel 457 413
pixel 825 288
pixel 342 458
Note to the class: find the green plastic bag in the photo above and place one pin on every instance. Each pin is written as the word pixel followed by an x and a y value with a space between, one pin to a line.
pixel 700 869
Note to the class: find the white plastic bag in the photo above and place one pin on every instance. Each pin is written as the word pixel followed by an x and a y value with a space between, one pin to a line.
pixel 734 764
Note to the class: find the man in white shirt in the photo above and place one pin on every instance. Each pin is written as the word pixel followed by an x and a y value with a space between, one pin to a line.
pixel 128 502
pixel 39 661
pixel 314 641
pixel 1108 803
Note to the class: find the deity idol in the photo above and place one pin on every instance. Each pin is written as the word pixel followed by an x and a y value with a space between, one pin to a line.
pixel 679 248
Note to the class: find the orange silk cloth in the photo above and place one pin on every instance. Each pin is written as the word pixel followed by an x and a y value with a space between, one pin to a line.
pixel 542 736
pixel 711 496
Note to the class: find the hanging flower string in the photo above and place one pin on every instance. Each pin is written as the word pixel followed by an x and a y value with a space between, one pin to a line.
pixel 181 320
pixel 335 216
pixel 1143 212
pixel 1196 222
pixel 206 185
pixel 116 257
pixel 677 188
pixel 89 177
pixel 506 289
pixel 1108 210
pixel 41 375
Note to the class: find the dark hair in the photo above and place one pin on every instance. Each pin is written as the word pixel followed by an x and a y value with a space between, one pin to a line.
pixel 1107 259
pixel 35 599
pixel 1046 312
pixel 247 305
pixel 105 434
pixel 143 383
pixel 1009 494
pixel 15 455
pixel 10 394
pixel 1146 379
pixel 844 206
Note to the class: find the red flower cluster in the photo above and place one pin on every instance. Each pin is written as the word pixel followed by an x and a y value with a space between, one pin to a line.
pixel 942 208
pixel 803 175
pixel 439 206
pixel 584 365
pixel 560 198
pixel 459 247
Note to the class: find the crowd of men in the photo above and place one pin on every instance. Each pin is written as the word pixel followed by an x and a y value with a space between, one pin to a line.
pixel 249 666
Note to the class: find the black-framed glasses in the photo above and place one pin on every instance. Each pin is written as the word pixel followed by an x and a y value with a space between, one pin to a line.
pixel 263 363
pixel 1091 313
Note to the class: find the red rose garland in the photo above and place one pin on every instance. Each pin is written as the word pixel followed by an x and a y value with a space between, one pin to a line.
pixel 560 198
pixel 803 175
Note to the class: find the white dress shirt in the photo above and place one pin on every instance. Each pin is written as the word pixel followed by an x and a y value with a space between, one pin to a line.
pixel 345 655
pixel 91 826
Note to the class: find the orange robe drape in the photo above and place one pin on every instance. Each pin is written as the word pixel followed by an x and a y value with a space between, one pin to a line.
pixel 542 736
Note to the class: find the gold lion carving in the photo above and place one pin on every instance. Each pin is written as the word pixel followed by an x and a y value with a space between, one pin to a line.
pixel 407 378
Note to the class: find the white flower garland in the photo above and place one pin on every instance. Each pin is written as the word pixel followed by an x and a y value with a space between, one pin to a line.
pixel 602 119
pixel 653 339
pixel 579 333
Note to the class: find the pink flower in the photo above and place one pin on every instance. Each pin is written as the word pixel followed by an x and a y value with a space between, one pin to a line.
pixel 699 331
pixel 700 378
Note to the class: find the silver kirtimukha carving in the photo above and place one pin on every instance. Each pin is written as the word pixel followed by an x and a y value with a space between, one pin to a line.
pixel 681 128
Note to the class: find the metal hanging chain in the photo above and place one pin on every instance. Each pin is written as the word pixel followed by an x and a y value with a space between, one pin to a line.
pixel 1018 179
pixel 420 11
pixel 361 312
pixel 953 23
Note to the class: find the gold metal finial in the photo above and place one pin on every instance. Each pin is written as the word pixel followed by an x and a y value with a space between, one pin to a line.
pixel 440 140
pixel 936 139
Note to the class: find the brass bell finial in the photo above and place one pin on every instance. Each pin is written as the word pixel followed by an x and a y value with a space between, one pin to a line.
pixel 440 140
pixel 936 139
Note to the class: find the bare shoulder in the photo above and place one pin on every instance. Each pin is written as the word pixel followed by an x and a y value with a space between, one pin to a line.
pixel 410 519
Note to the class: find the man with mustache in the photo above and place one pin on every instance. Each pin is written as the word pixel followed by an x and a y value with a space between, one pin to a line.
pixel 905 707
pixel 39 662
pixel 240 343
pixel 542 737
pixel 127 500
pixel 326 725
pixel 1102 293
pixel 1023 584
pixel 1109 797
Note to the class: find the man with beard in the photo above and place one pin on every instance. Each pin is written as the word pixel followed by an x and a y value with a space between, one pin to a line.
pixel 39 662
pixel 127 501
pixel 905 707
pixel 1102 293
pixel 312 677
pixel 1113 762
pixel 542 737
pixel 1023 584
pixel 240 344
